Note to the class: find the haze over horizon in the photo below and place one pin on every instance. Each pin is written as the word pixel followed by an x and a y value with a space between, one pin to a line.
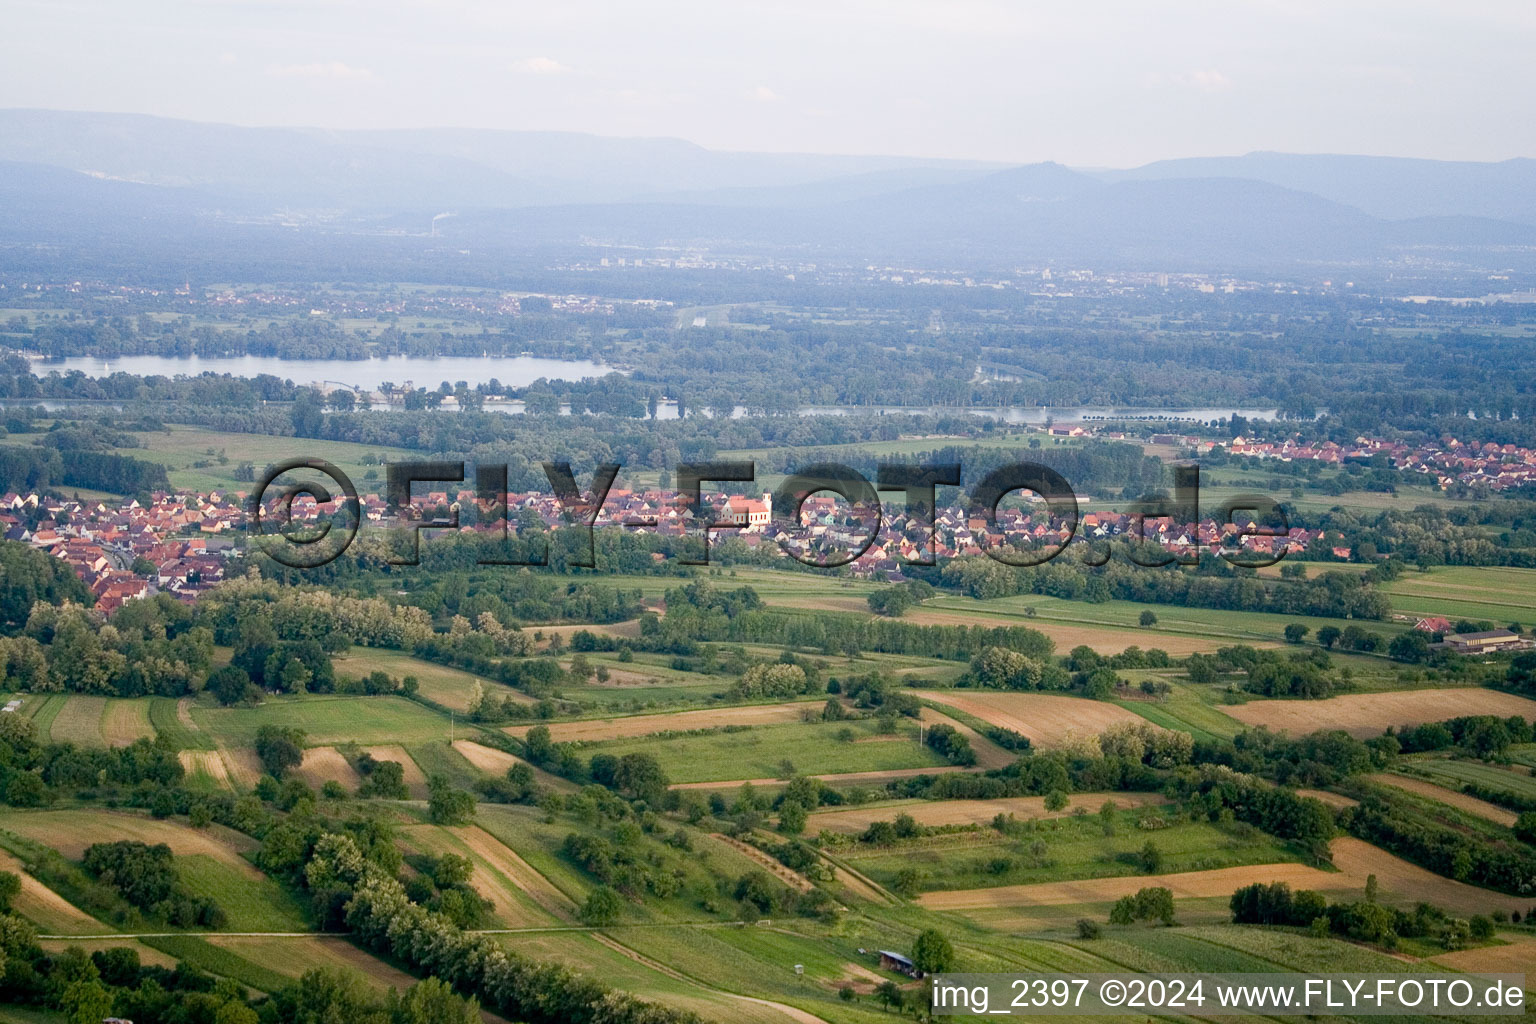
pixel 975 80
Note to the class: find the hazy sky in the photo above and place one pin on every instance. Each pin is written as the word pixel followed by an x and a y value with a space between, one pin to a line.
pixel 1105 83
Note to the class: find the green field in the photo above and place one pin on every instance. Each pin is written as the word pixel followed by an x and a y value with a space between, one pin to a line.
pixel 1496 594
pixel 1066 848
pixel 758 753
pixel 436 757
pixel 1453 773
pixel 440 684
pixel 252 906
pixel 1188 709
pixel 179 447
pixel 163 716
pixel 326 720
pixel 216 960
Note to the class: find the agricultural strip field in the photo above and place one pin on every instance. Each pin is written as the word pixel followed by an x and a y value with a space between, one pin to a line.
pixel 762 751
pixel 127 720
pixel 1454 773
pixel 326 720
pixel 618 966
pixel 205 769
pixel 875 778
pixel 496 762
pixel 988 754
pixel 450 687
pixel 79 721
pixel 71 831
pixel 415 780
pixel 172 718
pixel 1498 594
pixel 1450 797
pixel 496 873
pixel 1117 623
pixel 325 764
pixel 1103 639
pixel 43 710
pixel 681 721
pixel 146 955
pixel 1184 711
pixel 292 956
pixel 52 913
pixel 968 812
pixel 1047 719
pixel 1401 883
pixel 1368 714
pixel 254 902
pixel 1218 882
pixel 1411 884
pixel 1514 958
pixel 1063 850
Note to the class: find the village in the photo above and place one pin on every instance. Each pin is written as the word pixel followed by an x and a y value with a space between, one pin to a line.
pixel 181 543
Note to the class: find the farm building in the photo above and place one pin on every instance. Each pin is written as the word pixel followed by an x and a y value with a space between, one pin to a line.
pixel 896 962
pixel 1486 642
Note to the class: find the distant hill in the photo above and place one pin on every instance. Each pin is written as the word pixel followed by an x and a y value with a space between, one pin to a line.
pixel 443 167
pixel 129 179
pixel 1393 188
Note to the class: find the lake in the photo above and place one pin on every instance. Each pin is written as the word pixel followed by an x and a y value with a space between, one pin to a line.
pixel 421 372
pixel 520 371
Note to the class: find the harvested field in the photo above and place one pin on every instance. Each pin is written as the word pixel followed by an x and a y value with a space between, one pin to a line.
pixel 845 778
pixel 511 907
pixel 52 913
pixel 126 721
pixel 1102 639
pixel 1461 801
pixel 1368 714
pixel 450 687
pixel 207 763
pixel 1514 958
pixel 1219 882
pixel 496 762
pixel 486 759
pixel 242 767
pixel 628 629
pixel 505 860
pixel 969 812
pixel 325 764
pixel 71 831
pixel 988 754
pixel 1400 881
pixel 414 779
pixel 79 722
pixel 682 721
pixel 293 955
pixel 148 956
pixel 1047 719
pixel 1412 884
